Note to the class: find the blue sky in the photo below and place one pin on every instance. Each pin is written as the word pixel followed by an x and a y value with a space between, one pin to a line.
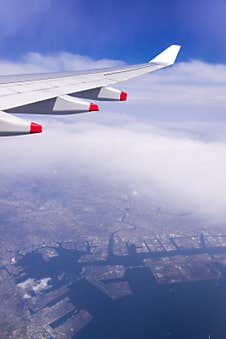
pixel 127 30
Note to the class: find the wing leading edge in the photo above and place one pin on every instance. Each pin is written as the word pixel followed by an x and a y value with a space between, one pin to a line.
pixel 65 93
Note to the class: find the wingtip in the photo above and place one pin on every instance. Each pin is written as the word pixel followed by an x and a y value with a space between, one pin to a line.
pixel 168 56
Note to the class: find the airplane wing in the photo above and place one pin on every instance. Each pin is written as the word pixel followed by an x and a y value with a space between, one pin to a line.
pixel 66 93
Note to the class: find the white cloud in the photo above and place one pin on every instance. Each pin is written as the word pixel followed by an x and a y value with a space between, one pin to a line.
pixel 38 63
pixel 189 174
pixel 37 286
pixel 193 91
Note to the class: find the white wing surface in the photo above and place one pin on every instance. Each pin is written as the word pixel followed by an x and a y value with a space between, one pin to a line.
pixel 64 93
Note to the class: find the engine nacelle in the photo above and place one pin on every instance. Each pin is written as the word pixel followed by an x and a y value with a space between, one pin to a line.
pixel 67 104
pixel 102 93
pixel 12 125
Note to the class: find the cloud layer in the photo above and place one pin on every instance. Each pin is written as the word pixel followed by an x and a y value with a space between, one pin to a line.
pixel 188 174
pixel 39 63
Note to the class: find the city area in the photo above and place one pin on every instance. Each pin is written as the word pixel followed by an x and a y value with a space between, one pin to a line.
pixel 113 262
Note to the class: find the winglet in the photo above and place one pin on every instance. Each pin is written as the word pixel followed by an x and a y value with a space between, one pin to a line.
pixel 168 56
